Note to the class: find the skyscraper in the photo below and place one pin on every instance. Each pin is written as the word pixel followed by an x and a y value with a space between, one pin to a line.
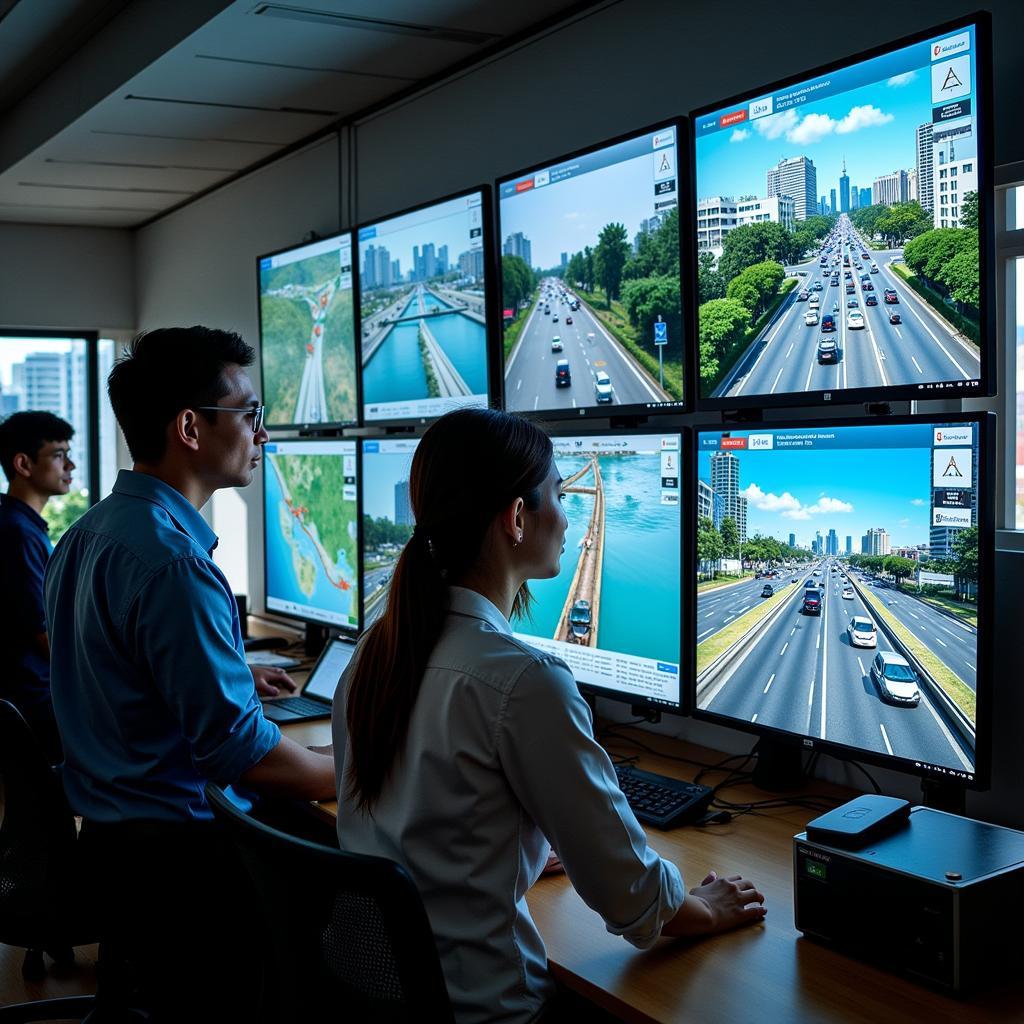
pixel 519 245
pixel 795 177
pixel 925 160
pixel 875 542
pixel 792 540
pixel 823 206
pixel 854 197
pixel 442 260
pixel 725 481
pixel 865 197
pixel 834 209
pixel 890 188
pixel 844 190
pixel 403 507
pixel 832 548
pixel 849 545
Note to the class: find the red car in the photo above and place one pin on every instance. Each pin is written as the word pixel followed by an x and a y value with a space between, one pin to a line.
pixel 890 295
pixel 895 318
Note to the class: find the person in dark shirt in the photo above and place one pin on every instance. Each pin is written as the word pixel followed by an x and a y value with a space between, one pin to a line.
pixel 35 457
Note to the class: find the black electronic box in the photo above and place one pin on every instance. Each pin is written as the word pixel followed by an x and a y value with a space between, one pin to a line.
pixel 938 899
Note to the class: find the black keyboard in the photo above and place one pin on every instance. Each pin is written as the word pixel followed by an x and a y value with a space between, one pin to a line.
pixel 302 706
pixel 660 801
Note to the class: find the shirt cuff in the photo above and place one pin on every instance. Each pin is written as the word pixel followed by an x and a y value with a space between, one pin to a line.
pixel 245 747
pixel 646 929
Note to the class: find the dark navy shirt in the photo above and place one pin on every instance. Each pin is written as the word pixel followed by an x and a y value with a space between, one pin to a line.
pixel 150 687
pixel 24 551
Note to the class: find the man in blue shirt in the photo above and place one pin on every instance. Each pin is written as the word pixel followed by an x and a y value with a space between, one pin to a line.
pixel 150 686
pixel 35 458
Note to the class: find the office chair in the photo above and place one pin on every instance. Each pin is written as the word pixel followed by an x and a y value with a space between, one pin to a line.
pixel 349 934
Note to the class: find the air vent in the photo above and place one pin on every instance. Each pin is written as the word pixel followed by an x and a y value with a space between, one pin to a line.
pixel 401 28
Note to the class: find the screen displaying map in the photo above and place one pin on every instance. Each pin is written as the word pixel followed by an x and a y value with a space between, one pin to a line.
pixel 311 531
pixel 307 331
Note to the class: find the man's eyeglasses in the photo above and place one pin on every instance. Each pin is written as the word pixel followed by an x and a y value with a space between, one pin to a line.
pixel 255 411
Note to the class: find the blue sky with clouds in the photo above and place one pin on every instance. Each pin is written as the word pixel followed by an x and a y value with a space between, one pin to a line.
pixel 381 471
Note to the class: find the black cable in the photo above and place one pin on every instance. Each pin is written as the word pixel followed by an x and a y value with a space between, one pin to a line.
pixel 609 735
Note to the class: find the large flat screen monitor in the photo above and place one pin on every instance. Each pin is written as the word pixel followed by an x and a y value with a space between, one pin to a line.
pixel 614 612
pixel 844 226
pixel 423 303
pixel 311 531
pixel 843 601
pixel 387 517
pixel 307 334
pixel 592 311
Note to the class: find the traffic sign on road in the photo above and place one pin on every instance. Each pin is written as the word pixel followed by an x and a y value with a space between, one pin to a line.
pixel 661 333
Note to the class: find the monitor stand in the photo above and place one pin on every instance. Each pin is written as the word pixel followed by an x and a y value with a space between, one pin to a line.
pixel 944 796
pixel 315 640
pixel 779 766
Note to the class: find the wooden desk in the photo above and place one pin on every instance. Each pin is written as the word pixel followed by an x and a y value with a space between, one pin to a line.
pixel 763 973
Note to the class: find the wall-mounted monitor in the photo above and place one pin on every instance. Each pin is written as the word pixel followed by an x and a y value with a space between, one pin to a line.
pixel 593 318
pixel 387 517
pixel 843 229
pixel 307 335
pixel 614 611
pixel 424 279
pixel 844 588
pixel 311 531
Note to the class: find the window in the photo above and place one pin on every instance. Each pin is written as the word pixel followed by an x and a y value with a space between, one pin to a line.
pixel 942 173
pixel 942 187
pixel 968 168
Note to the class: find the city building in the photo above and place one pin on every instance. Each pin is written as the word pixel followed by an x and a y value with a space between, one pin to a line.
pixel 875 542
pixel 844 190
pixel 519 245
pixel 913 553
pixel 925 161
pixel 854 197
pixel 849 545
pixel 888 189
pixel 954 176
pixel 442 260
pixel 718 215
pixel 832 544
pixel 471 264
pixel 647 226
pixel 709 504
pixel 823 206
pixel 796 177
pixel 912 193
pixel 403 506
pixel 792 540
pixel 832 194
pixel 865 197
pixel 725 482
pixel 376 267
pixel 564 260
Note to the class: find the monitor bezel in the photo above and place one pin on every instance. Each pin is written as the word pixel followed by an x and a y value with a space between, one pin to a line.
pixel 345 630
pixel 490 288
pixel 328 425
pixel 982 22
pixel 986 425
pixel 558 429
pixel 686 295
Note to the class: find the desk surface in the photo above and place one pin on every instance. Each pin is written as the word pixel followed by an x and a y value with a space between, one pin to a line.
pixel 763 972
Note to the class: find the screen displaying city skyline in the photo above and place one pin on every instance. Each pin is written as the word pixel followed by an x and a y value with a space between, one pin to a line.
pixel 837 224
pixel 423 311
pixel 804 529
pixel 590 275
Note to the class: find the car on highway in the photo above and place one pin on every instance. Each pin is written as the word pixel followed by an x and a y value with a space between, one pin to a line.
pixel 855 320
pixel 895 318
pixel 864 256
pixel 802 296
pixel 815 302
pixel 554 319
pixel 861 632
pixel 847 593
pixel 871 299
pixel 852 303
pixel 579 619
pixel 868 286
pixel 896 680
pixel 828 349
pixel 563 375
pixel 591 338
pixel 828 323
pixel 847 275
pixel 603 390
pixel 812 602
pixel 568 319
pixel 547 310
pixel 890 295
pixel 835 281
pixel 811 318
pixel 767 590
pixel 850 288
pixel 556 344
pixel 817 572
pixel 874 268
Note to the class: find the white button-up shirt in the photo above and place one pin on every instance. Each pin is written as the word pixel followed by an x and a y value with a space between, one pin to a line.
pixel 500 758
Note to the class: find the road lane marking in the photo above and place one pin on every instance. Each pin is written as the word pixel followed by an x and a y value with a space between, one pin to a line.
pixel 771 679
pixel 574 403
pixel 910 613
pixel 897 330
pixel 810 697
pixel 536 401
pixel 776 381
pixel 783 651
pixel 888 745
pixel 861 663
pixel 940 641
pixel 709 614
pixel 792 631
pixel 817 641
pixel 914 361
pixel 707 632
pixel 754 719
pixel 768 341
pixel 729 618
pixel 745 609
pixel 945 732
pixel 824 669
pixel 791 347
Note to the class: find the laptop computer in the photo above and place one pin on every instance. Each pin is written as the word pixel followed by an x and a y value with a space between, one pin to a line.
pixel 315 697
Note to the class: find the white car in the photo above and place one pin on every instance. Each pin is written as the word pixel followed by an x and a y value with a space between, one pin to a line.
pixel 855 320
pixel 847 593
pixel 603 390
pixel 897 681
pixel 861 632
pixel 811 318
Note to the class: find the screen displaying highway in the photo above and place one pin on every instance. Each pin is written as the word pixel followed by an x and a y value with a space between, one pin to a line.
pixel 422 311
pixel 307 332
pixel 613 612
pixel 387 517
pixel 311 531
pixel 837 230
pixel 837 585
pixel 590 279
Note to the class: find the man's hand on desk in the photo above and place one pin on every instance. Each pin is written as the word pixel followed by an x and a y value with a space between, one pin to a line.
pixel 553 866
pixel 271 681
pixel 717 905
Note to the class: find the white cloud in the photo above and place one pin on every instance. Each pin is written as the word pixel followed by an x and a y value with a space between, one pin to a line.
pixel 770 502
pixel 776 125
pixel 919 502
pixel 867 116
pixel 813 128
pixel 904 522
pixel 825 504
pixel 739 134
pixel 905 79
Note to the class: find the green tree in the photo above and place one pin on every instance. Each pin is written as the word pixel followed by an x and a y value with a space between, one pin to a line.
pixel 902 221
pixel 754 243
pixel 517 281
pixel 648 298
pixel 969 211
pixel 610 259
pixel 962 278
pixel 709 282
pixel 730 537
pixel 865 219
pixel 722 323
pixel 965 558
pixel 710 549
pixel 62 512
pixel 742 291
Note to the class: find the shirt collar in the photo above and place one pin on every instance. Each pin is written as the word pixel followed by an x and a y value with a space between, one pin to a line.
pixel 468 602
pixel 172 501
pixel 17 505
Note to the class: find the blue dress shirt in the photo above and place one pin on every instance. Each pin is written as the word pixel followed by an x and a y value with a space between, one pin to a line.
pixel 24 551
pixel 150 687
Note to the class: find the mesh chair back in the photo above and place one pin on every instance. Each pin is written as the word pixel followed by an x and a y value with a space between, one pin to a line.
pixel 348 933
pixel 38 868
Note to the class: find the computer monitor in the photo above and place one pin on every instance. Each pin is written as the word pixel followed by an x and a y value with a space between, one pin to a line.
pixel 843 242
pixel 311 531
pixel 844 594
pixel 592 310
pixel 424 277
pixel 307 334
pixel 387 517
pixel 614 612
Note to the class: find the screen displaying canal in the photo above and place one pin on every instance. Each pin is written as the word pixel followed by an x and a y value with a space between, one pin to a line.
pixel 613 611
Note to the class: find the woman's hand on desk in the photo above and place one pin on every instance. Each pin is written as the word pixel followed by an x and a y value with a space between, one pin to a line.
pixel 718 905
pixel 271 681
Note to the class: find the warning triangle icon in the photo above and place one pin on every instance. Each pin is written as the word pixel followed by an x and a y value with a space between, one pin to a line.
pixel 952 81
pixel 952 469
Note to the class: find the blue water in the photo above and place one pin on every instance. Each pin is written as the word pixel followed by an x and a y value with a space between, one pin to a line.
pixel 640 601
pixel 395 372
pixel 464 341
pixel 282 581
pixel 430 302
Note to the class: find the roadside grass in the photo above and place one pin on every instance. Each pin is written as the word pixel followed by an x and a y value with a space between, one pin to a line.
pixel 515 328
pixel 957 320
pixel 708 650
pixel 951 684
pixel 723 580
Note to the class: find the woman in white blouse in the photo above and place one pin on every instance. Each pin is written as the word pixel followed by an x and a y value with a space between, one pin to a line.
pixel 465 754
